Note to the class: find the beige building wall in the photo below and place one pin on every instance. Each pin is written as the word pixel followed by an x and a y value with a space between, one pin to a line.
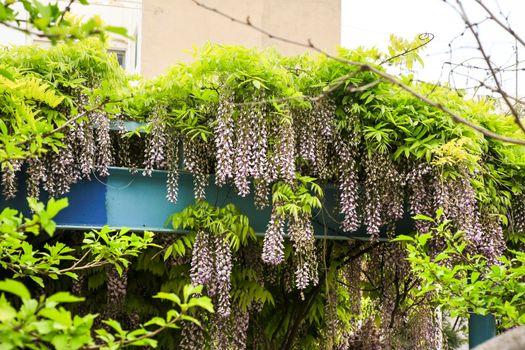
pixel 171 27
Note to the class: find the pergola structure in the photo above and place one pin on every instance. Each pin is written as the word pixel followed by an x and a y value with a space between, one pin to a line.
pixel 127 198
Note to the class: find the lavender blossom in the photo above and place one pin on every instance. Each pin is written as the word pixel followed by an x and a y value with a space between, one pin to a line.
pixel 104 150
pixel 243 146
pixel 85 150
pixel 223 268
pixel 202 270
pixel 196 154
pixel 273 246
pixel 9 183
pixel 224 140
pixel 172 159
pixel 36 173
pixel 285 152
pixel 193 337
pixel 302 275
pixel 155 153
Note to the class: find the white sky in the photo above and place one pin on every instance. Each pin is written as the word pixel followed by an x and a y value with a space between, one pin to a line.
pixel 370 22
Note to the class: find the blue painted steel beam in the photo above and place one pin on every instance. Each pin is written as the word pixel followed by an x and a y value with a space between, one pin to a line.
pixel 481 329
pixel 129 199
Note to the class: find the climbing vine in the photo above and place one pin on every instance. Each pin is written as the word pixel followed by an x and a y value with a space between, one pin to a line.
pixel 314 153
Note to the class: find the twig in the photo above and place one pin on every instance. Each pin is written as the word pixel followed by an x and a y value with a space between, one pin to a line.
pixel 423 36
pixel 125 343
pixel 66 9
pixel 489 65
pixel 501 24
pixel 27 31
pixel 364 87
pixel 75 118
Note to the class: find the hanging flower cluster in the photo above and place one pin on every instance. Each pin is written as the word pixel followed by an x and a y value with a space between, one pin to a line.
pixel 301 234
pixel 116 291
pixel 224 141
pixel 518 213
pixel 293 205
pixel 420 180
pixel 155 151
pixel 87 149
pixel 348 185
pixel 384 194
pixel 196 161
pixel 315 133
pixel 211 266
pixel 457 198
pixel 273 247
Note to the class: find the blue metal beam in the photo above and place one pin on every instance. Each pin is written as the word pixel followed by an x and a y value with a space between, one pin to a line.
pixel 129 199
pixel 481 329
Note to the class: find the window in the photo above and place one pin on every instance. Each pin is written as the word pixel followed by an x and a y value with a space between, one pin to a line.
pixel 121 56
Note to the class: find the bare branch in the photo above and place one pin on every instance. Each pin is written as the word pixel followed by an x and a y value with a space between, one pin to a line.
pixel 363 87
pixel 501 24
pixel 66 10
pixel 490 66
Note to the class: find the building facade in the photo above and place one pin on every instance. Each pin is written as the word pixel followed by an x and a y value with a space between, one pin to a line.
pixel 171 28
pixel 120 13
pixel 166 31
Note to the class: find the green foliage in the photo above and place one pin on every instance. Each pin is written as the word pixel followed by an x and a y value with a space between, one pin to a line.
pixel 106 245
pixel 297 200
pixel 405 53
pixel 44 322
pixel 40 90
pixel 381 119
pixel 202 216
pixel 100 247
pixel 51 22
pixel 462 282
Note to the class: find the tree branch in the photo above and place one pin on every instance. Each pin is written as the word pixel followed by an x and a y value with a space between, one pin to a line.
pixel 490 66
pixel 66 9
pixel 501 24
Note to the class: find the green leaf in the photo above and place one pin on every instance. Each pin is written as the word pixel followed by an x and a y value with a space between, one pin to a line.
pixel 37 280
pixel 168 296
pixel 203 302
pixel 7 312
pixel 401 238
pixel 16 288
pixel 117 30
pixel 191 319
pixel 422 217
pixel 158 321
pixel 439 213
pixel 168 252
pixel 422 239
pixel 65 297
pixel 474 276
pixel 61 316
pixel 188 290
pixel 55 206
